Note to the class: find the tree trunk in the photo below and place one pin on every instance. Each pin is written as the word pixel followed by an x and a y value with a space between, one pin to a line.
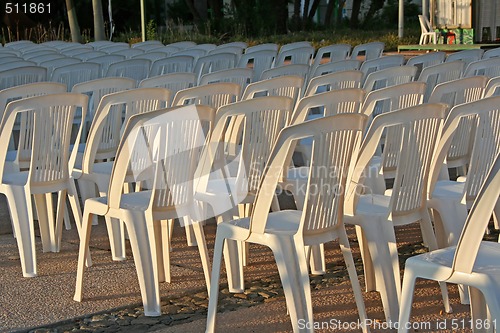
pixel 356 8
pixel 194 11
pixel 99 33
pixel 304 13
pixel 76 36
pixel 329 12
pixel 296 12
pixel 374 6
pixel 312 12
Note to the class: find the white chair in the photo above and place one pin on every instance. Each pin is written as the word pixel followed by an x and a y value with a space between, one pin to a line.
pixel 49 172
pixel 263 47
pixel 146 44
pixel 183 45
pixel 165 145
pixel 287 232
pixel 376 215
pixel 467 56
pixel 213 63
pixel 259 61
pixel 115 47
pixel 370 51
pixel 129 53
pixel 492 87
pixel 214 95
pixel 16 64
pixel 373 65
pixel 492 53
pixel 334 81
pixel 288 85
pixel 330 53
pixel 241 76
pixel 242 45
pixel 76 73
pixel 294 45
pixel 58 62
pixel 105 61
pixel 301 70
pixel 335 66
pixel 22 75
pixel 172 64
pixel 89 55
pixel 487 67
pixel 389 77
pixel 434 75
pixel 48 57
pixel 425 60
pixel 151 56
pixel 195 53
pixel 137 69
pixel 427 34
pixel 173 82
pixel 104 135
pixel 472 262
pixel 299 55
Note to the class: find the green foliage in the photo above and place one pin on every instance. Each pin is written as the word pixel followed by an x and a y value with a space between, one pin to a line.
pixel 178 11
pixel 387 17
pixel 151 31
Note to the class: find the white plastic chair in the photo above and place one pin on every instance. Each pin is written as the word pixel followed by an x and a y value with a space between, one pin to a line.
pixel 116 47
pixel 336 66
pixel 89 55
pixel 492 53
pixel 173 82
pixel 262 119
pixel 454 93
pixel 467 56
pixel 105 61
pixel 195 53
pixel 54 63
pixel 389 77
pixel 22 75
pixel 147 44
pixel 259 61
pixel 376 215
pixel 472 262
pixel 16 64
pixel 172 64
pixel 183 45
pixel 373 65
pixel 263 47
pixel 299 55
pixel 113 112
pixel 487 67
pixel 287 232
pixel 492 87
pixel 301 70
pixel 165 144
pixel 48 57
pixel 427 35
pixel 76 73
pixel 294 45
pixel 49 172
pixel 214 62
pixel 129 53
pixel 137 69
pixel 241 76
pixel 330 53
pixel 370 50
pixel 151 56
pixel 214 95
pixel 288 85
pixel 425 60
pixel 334 81
pixel 434 75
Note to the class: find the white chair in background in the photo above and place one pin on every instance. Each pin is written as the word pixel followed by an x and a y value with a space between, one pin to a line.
pixel 288 85
pixel 299 55
pixel 389 77
pixel 214 95
pixel 287 232
pixel 467 56
pixel 334 81
pixel 58 62
pixel 492 53
pixel 330 53
pixel 172 64
pixel 115 48
pixel 487 67
pixel 195 53
pixel 129 53
pixel 213 63
pixel 76 73
pixel 105 61
pixel 263 47
pixel 173 82
pixel 22 75
pixel 373 65
pixel 301 70
pixel 147 44
pixel 425 60
pixel 472 261
pixel 370 51
pixel 259 61
pixel 16 64
pixel 427 34
pixel 151 56
pixel 492 88
pixel 241 76
pixel 335 66
pixel 183 45
pixel 137 69
pixel 294 45
pixel 434 75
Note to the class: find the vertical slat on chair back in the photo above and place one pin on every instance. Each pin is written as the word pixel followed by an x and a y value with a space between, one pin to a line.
pixel 22 75
pixel 214 95
pixel 486 147
pixel 330 163
pixel 434 75
pixel 419 141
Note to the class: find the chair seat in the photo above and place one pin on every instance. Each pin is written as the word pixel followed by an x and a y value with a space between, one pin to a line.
pixel 222 195
pixel 285 222
pixel 373 204
pixel 137 201
pixel 447 189
pixel 15 178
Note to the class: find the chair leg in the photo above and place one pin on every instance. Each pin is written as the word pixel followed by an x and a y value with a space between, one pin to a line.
pixel 317 261
pixel 162 243
pixel 232 260
pixel 22 221
pixel 370 283
pixel 189 233
pixel 75 204
pixel 214 283
pixel 353 276
pixel 409 280
pixel 47 232
pixel 60 214
pixel 202 248
pixel 116 234
pixel 380 238
pixel 479 310
pixel 83 253
pixel 292 267
pixel 142 241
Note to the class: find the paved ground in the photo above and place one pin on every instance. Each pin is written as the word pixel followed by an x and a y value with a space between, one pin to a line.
pixel 111 292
